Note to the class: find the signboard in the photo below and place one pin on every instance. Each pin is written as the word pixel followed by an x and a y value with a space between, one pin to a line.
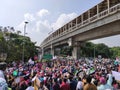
pixel 47 56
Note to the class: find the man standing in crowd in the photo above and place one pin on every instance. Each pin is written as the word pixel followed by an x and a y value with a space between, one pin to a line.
pixel 56 86
pixel 30 87
pixel 65 85
pixel 3 83
pixel 89 85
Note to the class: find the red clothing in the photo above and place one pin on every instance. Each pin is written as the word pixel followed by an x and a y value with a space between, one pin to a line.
pixel 64 86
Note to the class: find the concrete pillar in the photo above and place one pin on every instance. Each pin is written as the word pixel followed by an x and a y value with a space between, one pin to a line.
pixel 76 50
pixel 108 4
pixel 76 21
pixel 89 15
pixel 52 51
pixel 76 53
pixel 97 11
pixel 82 19
pixel 42 51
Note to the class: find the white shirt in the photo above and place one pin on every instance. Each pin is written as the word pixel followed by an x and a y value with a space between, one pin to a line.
pixel 30 88
pixel 79 85
pixel 3 84
pixel 104 87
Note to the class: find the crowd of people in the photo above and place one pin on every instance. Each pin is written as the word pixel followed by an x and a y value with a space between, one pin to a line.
pixel 61 75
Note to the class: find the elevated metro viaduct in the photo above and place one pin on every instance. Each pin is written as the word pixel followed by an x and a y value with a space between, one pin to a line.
pixel 102 20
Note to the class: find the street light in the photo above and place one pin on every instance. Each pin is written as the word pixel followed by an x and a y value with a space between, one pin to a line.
pixel 24 40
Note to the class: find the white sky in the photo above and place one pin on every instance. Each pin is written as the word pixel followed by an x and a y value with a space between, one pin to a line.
pixel 43 15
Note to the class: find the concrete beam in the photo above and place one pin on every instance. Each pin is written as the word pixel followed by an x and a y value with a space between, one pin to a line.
pixel 100 32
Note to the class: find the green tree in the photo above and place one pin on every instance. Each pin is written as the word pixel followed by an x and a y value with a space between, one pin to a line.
pixel 115 52
pixel 102 49
pixel 12 44
pixel 87 49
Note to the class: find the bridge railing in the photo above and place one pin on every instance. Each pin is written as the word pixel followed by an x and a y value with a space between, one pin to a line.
pixel 100 15
pixel 114 8
pixel 93 18
pixel 85 22
pixel 103 14
pixel 79 25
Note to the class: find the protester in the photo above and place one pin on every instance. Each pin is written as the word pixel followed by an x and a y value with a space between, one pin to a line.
pixel 89 85
pixel 79 84
pixel 3 82
pixel 30 87
pixel 64 85
pixel 56 86
pixel 62 74
pixel 42 86
pixel 104 85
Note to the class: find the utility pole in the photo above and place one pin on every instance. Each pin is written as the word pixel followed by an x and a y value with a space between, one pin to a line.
pixel 25 23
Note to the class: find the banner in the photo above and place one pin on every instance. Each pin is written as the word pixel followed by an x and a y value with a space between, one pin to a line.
pixel 116 75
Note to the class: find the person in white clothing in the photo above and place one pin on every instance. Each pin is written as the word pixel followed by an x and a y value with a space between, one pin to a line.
pixel 3 83
pixel 79 84
pixel 30 87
